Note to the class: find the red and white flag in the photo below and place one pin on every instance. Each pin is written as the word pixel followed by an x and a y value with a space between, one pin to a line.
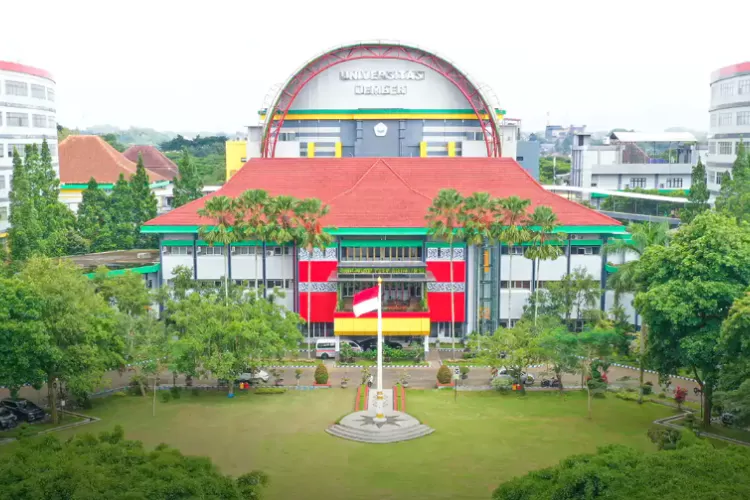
pixel 367 300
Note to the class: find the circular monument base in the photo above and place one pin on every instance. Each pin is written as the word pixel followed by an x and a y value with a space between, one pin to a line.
pixel 363 426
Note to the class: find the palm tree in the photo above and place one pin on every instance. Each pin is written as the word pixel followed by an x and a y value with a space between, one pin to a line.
pixel 444 222
pixel 545 244
pixel 223 212
pixel 642 236
pixel 477 219
pixel 253 203
pixel 281 212
pixel 310 213
pixel 513 232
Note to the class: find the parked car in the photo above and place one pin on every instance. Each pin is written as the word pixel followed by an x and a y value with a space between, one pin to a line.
pixel 254 377
pixel 326 348
pixel 23 409
pixel 7 419
pixel 526 378
pixel 372 344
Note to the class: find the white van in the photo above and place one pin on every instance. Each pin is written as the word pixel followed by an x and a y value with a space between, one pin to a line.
pixel 326 348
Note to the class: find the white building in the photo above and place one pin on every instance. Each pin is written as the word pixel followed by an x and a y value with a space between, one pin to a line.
pixel 729 119
pixel 27 116
pixel 634 160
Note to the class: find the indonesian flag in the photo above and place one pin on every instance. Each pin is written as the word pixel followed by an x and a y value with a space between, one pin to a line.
pixel 366 301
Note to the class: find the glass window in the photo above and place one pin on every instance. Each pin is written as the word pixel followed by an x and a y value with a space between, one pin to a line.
pixel 2 150
pixel 179 250
pixel 51 94
pixel 674 182
pixel 212 251
pixel 51 122
pixel 714 117
pixel 38 91
pixel 39 121
pixel 637 182
pixel 712 147
pixel 725 119
pixel 727 89
pixel 17 119
pixel 2 182
pixel 743 117
pixel 16 88
pixel 725 148
pixel 744 87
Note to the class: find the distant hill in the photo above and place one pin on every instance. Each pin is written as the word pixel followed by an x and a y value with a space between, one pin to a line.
pixel 143 136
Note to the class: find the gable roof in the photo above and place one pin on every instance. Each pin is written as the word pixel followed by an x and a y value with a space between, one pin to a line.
pixel 153 159
pixel 386 192
pixel 85 156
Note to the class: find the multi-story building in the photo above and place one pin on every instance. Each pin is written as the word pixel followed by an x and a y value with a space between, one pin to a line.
pixel 662 161
pixel 729 120
pixel 27 116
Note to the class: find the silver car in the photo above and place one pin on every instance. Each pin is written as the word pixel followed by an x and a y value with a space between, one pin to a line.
pixel 255 377
pixel 526 378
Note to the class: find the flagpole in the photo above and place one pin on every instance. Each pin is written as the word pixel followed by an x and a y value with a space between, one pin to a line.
pixel 380 403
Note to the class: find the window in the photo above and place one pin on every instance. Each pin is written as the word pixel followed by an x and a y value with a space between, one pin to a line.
pixel 51 94
pixel 744 87
pixel 274 284
pixel 637 182
pixel 19 148
pixel 2 150
pixel 720 177
pixel 712 147
pixel 211 251
pixel 18 119
pixel 3 213
pixel 674 182
pixel 714 118
pixel 244 250
pixel 365 254
pixel 38 91
pixel 287 136
pixel 712 177
pixel 517 250
pixel 39 121
pixel 289 284
pixel 178 250
pixel 2 182
pixel 584 251
pixel 725 119
pixel 16 88
pixel 519 158
pixel 275 251
pixel 727 89
pixel 743 117
pixel 51 122
pixel 725 148
pixel 522 285
pixel 475 136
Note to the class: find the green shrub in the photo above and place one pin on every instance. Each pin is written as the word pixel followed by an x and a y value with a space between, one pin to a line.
pixel 346 353
pixel 502 384
pixel 25 431
pixel 464 372
pixel 175 392
pixel 270 390
pixel 661 395
pixel 195 392
pixel 444 375
pixel 647 389
pixel 165 396
pixel 136 382
pixel 321 374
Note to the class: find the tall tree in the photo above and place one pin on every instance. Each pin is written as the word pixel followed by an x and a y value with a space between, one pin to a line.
pixel 222 230
pixel 81 339
pixel 255 225
pixel 285 225
pixel 559 347
pixel 518 347
pixel 686 291
pixel 642 236
pixel 734 196
pixel 513 232
pixel 144 204
pixel 94 221
pixel 478 218
pixel 546 244
pixel 445 222
pixel 698 195
pixel 310 213
pixel 188 185
pixel 122 209
pixel 594 345
pixel 25 230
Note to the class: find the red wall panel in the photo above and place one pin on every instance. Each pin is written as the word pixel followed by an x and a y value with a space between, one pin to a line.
pixel 440 306
pixel 320 270
pixel 442 271
pixel 322 303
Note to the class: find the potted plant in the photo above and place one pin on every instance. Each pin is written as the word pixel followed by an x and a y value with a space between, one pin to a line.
pixel 321 375
pixel 298 375
pixel 344 381
pixel 403 378
pixel 464 372
pixel 444 376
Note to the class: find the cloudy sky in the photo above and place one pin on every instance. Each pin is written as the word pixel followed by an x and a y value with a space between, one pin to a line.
pixel 199 65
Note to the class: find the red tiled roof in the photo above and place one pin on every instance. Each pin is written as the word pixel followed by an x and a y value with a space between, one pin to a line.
pixel 386 192
pixel 85 156
pixel 153 159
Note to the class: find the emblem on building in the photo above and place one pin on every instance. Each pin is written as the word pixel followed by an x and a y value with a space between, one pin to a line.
pixel 380 129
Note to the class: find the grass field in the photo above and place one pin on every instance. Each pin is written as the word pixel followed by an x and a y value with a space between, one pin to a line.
pixel 480 440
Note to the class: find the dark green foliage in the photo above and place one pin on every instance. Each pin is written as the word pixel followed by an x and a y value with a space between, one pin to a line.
pixel 270 390
pixel 195 392
pixel 122 207
pixel 144 205
pixel 444 375
pixel 664 438
pixel 113 468
pixel 548 169
pixel 737 402
pixel 321 374
pixel 618 472
pixel 346 353
pixel 175 392
pixel 113 141
pixel 25 232
pixel 94 221
pixel 734 196
pixel 188 185
pixel 698 195
pixel 165 396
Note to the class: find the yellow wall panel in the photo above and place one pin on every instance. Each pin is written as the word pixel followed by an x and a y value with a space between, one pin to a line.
pixel 338 150
pixel 451 149
pixel 311 150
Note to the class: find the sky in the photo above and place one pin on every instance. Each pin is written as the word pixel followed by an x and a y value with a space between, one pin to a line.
pixel 209 66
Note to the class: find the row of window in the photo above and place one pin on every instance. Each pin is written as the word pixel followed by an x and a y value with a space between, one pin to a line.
pixel 23 89
pixel 577 250
pixel 366 254
pixel 21 148
pixel 728 89
pixel 270 251
pixel 715 177
pixel 14 119
pixel 725 147
pixel 391 291
pixel 522 284
pixel 724 118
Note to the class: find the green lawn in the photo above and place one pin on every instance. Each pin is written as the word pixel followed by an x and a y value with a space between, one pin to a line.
pixel 482 439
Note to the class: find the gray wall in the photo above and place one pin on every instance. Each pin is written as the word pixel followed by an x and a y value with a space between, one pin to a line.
pixel 527 154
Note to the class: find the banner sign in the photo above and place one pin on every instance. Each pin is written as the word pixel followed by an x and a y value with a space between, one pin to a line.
pixel 382 270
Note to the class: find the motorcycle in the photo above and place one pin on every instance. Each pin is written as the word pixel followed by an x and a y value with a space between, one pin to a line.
pixel 551 383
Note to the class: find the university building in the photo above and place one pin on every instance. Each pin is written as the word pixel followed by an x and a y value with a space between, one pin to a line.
pixel 374 131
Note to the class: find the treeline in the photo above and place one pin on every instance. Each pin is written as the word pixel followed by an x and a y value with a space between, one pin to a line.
pixel 208 155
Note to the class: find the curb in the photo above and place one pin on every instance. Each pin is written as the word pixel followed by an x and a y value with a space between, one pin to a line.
pixel 86 420
pixel 429 365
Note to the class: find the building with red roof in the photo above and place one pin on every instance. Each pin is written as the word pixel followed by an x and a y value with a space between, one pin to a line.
pixel 153 159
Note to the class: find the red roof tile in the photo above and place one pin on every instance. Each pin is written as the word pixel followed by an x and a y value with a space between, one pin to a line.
pixel 85 156
pixel 386 192
pixel 153 159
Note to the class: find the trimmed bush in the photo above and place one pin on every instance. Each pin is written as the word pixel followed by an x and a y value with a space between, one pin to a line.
pixel 444 375
pixel 321 374
pixel 270 390
pixel 464 372
pixel 165 396
pixel 502 384
pixel 175 392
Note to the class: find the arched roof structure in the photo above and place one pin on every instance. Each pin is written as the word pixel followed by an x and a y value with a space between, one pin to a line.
pixel 282 102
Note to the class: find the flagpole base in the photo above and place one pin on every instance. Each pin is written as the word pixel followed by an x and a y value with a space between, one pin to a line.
pixel 380 407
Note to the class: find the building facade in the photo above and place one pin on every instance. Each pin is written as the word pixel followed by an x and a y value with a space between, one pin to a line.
pixel 27 116
pixel 729 119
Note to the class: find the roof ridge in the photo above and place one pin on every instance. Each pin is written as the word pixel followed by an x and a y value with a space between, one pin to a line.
pixel 367 172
